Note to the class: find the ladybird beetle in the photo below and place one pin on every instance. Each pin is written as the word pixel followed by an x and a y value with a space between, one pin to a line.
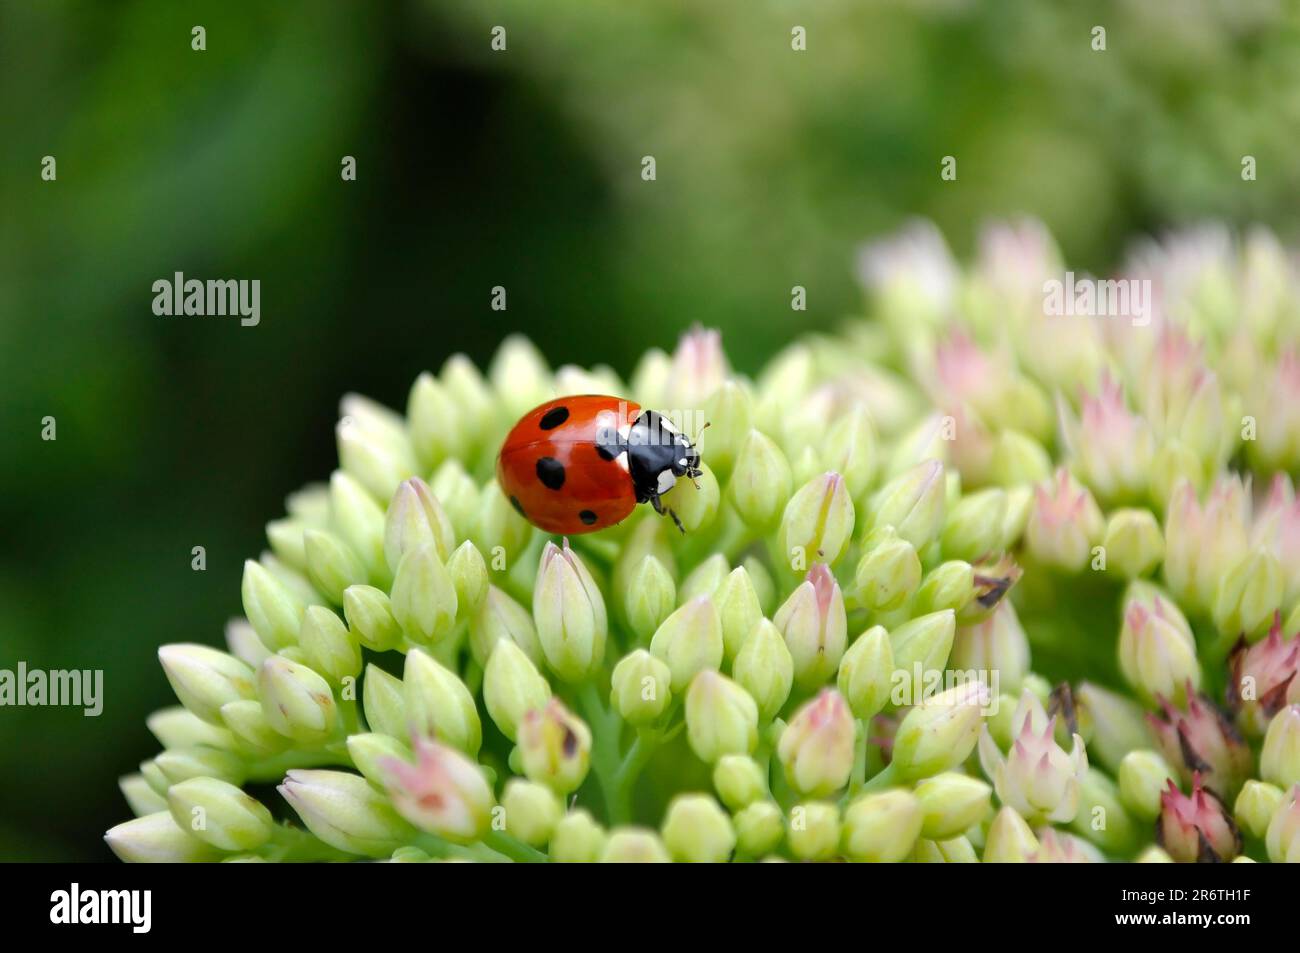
pixel 579 464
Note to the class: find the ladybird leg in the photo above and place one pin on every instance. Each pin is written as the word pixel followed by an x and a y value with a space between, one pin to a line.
pixel 680 527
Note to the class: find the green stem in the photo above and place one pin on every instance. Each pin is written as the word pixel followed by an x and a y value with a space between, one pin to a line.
pixel 884 779
pixel 859 758
pixel 516 850
pixel 605 729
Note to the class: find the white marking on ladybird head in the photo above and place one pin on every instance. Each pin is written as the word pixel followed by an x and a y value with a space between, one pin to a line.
pixel 666 482
pixel 621 460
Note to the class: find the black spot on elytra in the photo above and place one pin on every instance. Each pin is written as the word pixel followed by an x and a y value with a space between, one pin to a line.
pixel 519 507
pixel 551 472
pixel 587 516
pixel 554 417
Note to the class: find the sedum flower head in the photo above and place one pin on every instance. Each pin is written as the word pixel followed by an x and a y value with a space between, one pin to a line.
pixel 886 521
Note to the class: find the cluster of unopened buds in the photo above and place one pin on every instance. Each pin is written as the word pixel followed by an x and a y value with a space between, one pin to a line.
pixel 968 581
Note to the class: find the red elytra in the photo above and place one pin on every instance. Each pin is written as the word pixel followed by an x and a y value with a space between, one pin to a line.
pixel 579 464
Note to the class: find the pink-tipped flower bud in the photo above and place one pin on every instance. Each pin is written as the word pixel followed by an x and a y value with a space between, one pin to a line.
pixel 1260 677
pixel 1201 740
pixel 1196 828
pixel 815 627
pixel 1064 523
pixel 1110 447
pixel 444 792
pixel 816 748
pixel 1157 652
pixel 1037 777
pixel 1204 544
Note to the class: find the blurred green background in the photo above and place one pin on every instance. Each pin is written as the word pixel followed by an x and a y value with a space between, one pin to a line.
pixel 478 168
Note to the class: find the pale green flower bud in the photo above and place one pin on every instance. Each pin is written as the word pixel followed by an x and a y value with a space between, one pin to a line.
pixel 181 764
pixel 141 798
pixel 345 812
pixel 499 526
pixel 532 811
pixel 1020 503
pixel 739 780
pixel 1248 595
pixel 469 574
pixel 697 830
pixel 154 777
pixel 866 673
pixel 1133 543
pixel 438 705
pixel 705 578
pixel 331 564
pixel 651 377
pixel 383 699
pixel 1102 818
pixel 500 617
pixel 1018 460
pixel 519 376
pixel 1118 724
pixel 1204 544
pixel 369 614
pixel 360 521
pixel 1255 807
pixel 813 830
pixel 850 449
pixel 920 646
pixel 949 585
pixel 1279 759
pixel 424 596
pixel 882 828
pixel 1157 652
pixel 1143 777
pixel 888 573
pixel 377 463
pixel 244 644
pixel 204 678
pixel 634 845
pixel 721 718
pixel 764 585
pixel 1282 839
pixel 923 442
pixel 220 814
pixel 760 483
pixel 1037 777
pixel 436 426
pixel 1010 840
pixel 940 733
pixel 512 687
pixel 957 850
pixel 248 724
pixel 815 627
pixel 271 607
pixel 156 839
pixel 371 753
pixel 444 792
pixel 913 503
pixel 739 610
pixel 951 803
pixel 760 827
pixel 975 525
pixel 689 642
pixel 570 614
pixel 640 688
pixel 816 748
pixel 328 645
pixel 456 490
pixel 555 747
pixel 818 521
pixel 476 408
pixel 765 669
pixel 577 839
pixel 998 644
pixel 730 413
pixel 296 701
pixel 649 597
pixel 695 505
